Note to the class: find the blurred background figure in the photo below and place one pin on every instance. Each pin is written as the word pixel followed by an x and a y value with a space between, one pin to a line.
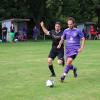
pixel 16 37
pixel 93 32
pixel 12 32
pixel 35 32
pixel 98 33
pixel 4 33
pixel 25 33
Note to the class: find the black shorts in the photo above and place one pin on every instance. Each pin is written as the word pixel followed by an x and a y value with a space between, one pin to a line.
pixel 56 52
pixel 73 56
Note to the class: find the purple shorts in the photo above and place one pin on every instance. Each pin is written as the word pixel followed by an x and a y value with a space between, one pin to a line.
pixel 71 51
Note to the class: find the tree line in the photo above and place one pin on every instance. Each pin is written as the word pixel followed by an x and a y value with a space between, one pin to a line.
pixel 50 10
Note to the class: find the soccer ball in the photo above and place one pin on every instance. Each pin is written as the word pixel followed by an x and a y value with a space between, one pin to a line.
pixel 50 83
pixel 0 40
pixel 16 40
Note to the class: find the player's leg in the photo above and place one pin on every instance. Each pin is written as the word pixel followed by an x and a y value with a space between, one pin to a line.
pixel 51 68
pixel 51 57
pixel 69 67
pixel 60 61
pixel 60 55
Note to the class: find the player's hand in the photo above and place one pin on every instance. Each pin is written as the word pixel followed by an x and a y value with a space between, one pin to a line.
pixel 42 23
pixel 59 46
pixel 80 50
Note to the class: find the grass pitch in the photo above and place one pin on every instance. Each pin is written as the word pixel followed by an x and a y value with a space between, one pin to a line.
pixel 23 73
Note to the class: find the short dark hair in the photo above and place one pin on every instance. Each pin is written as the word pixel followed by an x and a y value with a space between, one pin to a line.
pixel 72 19
pixel 59 23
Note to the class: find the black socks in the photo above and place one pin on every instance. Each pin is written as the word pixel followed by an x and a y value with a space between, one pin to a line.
pixel 52 71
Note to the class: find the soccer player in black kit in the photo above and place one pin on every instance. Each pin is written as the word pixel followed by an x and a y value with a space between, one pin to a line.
pixel 56 37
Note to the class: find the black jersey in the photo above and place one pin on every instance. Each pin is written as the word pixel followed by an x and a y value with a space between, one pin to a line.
pixel 12 29
pixel 56 37
pixel 4 30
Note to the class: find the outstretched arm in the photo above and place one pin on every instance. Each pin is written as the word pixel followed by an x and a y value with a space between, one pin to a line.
pixel 44 28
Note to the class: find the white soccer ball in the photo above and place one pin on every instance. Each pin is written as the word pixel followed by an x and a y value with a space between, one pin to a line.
pixel 0 40
pixel 16 40
pixel 50 83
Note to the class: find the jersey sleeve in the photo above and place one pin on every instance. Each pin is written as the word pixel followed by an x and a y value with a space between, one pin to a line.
pixel 51 32
pixel 80 33
pixel 64 35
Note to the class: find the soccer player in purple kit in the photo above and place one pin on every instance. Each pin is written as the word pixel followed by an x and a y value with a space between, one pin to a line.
pixel 56 37
pixel 72 36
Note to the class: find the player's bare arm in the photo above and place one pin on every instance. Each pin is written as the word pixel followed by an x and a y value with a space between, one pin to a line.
pixel 44 28
pixel 60 43
pixel 82 45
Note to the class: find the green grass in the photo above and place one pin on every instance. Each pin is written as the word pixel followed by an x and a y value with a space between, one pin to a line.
pixel 23 73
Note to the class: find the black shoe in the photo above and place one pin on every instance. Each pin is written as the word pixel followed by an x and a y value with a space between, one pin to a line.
pixel 62 78
pixel 75 72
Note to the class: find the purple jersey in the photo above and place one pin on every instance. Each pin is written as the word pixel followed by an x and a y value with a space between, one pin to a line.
pixel 73 37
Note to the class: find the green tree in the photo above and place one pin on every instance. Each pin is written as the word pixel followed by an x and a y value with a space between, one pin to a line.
pixel 96 6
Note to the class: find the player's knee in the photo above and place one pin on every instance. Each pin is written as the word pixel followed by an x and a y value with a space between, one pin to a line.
pixel 49 61
pixel 60 62
pixel 69 61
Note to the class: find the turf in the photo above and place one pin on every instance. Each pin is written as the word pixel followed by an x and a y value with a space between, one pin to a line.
pixel 23 73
